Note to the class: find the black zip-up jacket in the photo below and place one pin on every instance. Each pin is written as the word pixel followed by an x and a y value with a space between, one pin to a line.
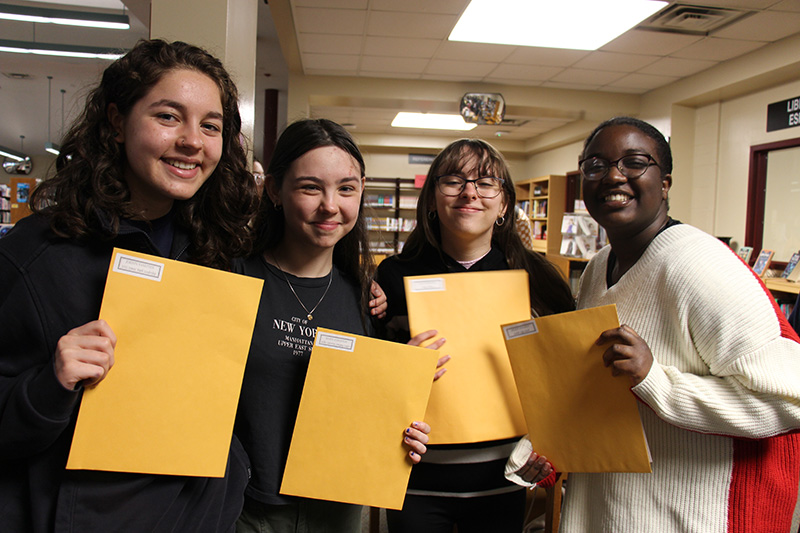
pixel 48 286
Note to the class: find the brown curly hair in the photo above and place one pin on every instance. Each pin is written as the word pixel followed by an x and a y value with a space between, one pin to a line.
pixel 89 181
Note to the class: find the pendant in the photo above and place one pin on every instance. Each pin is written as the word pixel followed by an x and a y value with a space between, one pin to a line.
pixel 310 316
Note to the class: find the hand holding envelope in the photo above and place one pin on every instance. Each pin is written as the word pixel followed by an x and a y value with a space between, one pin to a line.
pixel 168 404
pixel 578 415
pixel 373 387
pixel 477 400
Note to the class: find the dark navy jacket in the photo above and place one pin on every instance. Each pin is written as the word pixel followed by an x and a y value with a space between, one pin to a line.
pixel 48 286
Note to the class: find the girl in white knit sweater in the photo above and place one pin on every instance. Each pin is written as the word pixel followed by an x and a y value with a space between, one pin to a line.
pixel 714 364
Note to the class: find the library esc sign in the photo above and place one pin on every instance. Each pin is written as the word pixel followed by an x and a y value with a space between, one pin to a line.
pixel 783 114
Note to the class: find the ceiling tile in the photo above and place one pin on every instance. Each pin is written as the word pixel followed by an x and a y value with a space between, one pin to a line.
pixel 556 57
pixel 392 75
pixel 650 42
pixel 389 24
pixel 447 7
pixel 473 51
pixel 330 44
pixel 673 66
pixel 614 61
pixel 780 24
pixel 511 81
pixel 641 82
pixel 575 86
pixel 586 76
pixel 402 65
pixel 469 69
pixel 400 46
pixel 333 62
pixel 336 21
pixel 712 49
pixel 787 5
pixel 524 72
pixel 329 72
pixel 452 77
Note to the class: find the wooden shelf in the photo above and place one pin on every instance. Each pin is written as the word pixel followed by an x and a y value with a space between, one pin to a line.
pixel 782 285
pixel 542 199
pixel 385 199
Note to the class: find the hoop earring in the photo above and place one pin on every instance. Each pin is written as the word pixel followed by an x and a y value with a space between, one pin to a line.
pixel 500 220
pixel 278 207
pixel 432 215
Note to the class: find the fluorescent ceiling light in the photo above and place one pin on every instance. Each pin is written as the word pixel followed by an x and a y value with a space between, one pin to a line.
pixel 571 24
pixel 44 15
pixel 61 50
pixel 432 121
pixel 12 154
pixel 53 148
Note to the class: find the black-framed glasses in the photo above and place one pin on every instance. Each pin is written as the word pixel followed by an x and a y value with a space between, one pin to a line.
pixel 631 166
pixel 486 187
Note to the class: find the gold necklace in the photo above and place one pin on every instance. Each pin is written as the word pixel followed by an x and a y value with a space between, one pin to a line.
pixel 309 314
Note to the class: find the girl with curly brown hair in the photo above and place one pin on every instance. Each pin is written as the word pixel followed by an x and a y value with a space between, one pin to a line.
pixel 154 164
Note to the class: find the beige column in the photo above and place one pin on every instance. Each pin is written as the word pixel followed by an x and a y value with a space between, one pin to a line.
pixel 227 29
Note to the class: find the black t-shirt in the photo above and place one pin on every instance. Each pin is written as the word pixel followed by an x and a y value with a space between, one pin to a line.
pixel 278 361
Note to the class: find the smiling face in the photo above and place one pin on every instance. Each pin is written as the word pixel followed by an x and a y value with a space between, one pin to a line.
pixel 625 207
pixel 320 196
pixel 173 140
pixel 468 218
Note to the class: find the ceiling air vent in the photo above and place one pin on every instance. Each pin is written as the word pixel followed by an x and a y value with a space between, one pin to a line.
pixel 693 20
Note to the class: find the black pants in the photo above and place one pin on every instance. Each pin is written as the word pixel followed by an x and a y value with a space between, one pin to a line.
pixel 500 513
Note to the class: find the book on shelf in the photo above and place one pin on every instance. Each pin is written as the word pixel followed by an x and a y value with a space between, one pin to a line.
pixel 791 266
pixel 745 252
pixel 763 262
pixel 581 235
pixel 380 200
pixel 408 202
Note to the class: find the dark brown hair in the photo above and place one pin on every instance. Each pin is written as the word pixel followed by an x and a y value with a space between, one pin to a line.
pixel 549 292
pixel 351 254
pixel 89 181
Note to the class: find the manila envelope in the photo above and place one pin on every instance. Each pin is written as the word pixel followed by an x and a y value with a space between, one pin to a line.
pixel 359 396
pixel 476 400
pixel 167 405
pixel 579 416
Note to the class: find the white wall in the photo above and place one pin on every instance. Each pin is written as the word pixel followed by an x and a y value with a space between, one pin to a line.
pixel 742 124
pixel 395 165
pixel 558 161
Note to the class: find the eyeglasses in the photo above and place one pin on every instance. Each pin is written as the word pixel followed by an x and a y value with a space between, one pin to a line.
pixel 259 176
pixel 486 187
pixel 631 166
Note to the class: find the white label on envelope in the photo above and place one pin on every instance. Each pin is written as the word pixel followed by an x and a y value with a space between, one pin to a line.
pixel 136 266
pixel 336 342
pixel 520 330
pixel 427 285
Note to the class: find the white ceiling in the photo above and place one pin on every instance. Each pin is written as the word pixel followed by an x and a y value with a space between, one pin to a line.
pixel 392 39
pixel 408 40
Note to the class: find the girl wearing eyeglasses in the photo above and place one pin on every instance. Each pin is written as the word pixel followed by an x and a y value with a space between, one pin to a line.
pixel 713 363
pixel 465 224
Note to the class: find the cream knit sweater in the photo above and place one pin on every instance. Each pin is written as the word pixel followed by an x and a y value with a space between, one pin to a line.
pixel 720 405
